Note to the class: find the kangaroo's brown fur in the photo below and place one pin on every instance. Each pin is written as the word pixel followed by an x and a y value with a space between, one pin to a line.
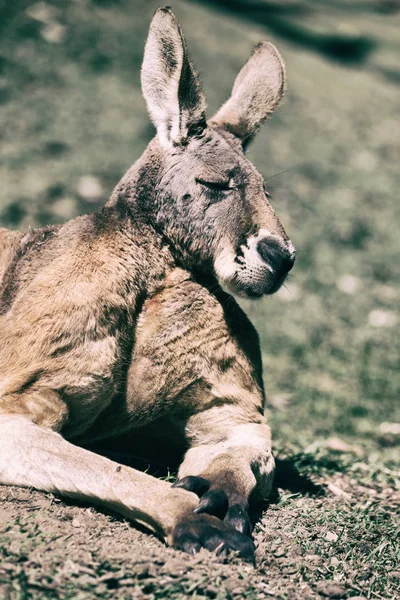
pixel 117 319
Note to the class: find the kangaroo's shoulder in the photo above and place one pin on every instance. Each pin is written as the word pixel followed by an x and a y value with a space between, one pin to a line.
pixel 24 255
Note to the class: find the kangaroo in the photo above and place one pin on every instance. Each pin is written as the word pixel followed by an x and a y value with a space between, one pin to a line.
pixel 123 318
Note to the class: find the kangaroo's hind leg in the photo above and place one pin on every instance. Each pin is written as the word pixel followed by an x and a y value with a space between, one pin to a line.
pixel 33 454
pixel 36 456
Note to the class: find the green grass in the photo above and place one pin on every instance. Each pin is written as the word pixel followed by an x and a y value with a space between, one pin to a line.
pixel 73 108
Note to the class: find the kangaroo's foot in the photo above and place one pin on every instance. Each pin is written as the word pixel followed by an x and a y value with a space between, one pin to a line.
pixel 232 507
pixel 198 531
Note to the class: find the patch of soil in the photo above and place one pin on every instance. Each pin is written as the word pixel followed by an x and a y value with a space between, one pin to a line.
pixel 52 549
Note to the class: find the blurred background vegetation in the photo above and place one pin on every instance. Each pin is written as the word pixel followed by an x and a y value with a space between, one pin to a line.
pixel 72 120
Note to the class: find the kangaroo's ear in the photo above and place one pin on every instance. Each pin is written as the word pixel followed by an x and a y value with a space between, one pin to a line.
pixel 169 83
pixel 257 91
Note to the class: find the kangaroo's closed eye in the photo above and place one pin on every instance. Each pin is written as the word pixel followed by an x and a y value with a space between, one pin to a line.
pixel 219 186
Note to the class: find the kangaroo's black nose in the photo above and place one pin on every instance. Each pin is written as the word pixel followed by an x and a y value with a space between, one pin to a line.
pixel 276 254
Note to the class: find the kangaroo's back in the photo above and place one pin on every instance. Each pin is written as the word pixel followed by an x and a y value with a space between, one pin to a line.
pixel 21 257
pixel 9 243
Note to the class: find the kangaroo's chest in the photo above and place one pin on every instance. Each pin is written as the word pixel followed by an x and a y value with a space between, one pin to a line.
pixel 185 350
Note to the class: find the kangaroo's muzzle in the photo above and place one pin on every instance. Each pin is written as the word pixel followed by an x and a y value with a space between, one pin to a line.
pixel 277 255
pixel 263 264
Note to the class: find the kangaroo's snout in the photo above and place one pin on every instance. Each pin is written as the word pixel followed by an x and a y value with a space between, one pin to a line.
pixel 262 264
pixel 277 255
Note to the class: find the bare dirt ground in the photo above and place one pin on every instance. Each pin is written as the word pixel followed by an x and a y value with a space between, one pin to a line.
pixel 318 541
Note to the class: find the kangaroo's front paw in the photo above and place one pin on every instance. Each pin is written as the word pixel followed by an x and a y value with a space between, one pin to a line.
pixel 214 501
pixel 205 531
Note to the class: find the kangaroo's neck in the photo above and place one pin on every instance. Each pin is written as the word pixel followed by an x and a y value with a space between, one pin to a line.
pixel 130 212
pixel 136 199
pixel 137 188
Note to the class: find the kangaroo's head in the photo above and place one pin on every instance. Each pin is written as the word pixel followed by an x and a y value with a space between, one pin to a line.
pixel 209 200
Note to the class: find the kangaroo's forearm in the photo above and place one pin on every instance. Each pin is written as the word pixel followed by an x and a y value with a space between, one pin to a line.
pixel 232 454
